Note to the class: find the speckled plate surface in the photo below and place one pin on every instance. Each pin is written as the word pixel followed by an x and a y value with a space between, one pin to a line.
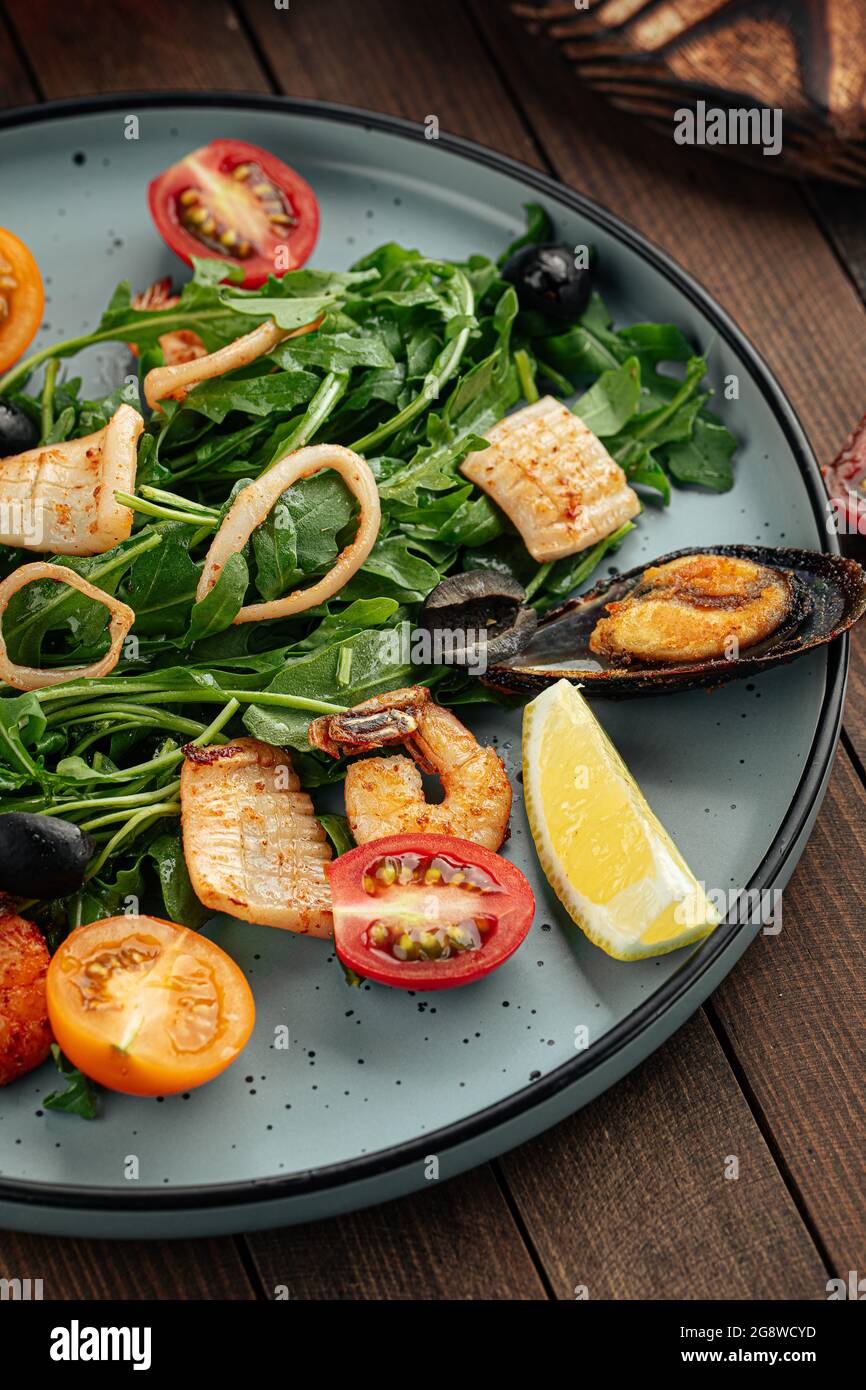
pixel 376 1081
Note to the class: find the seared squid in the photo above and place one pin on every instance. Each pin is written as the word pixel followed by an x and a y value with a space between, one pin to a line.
pixel 60 497
pixel 253 846
pixel 554 479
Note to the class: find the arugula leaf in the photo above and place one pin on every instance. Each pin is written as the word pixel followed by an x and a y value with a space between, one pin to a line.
pixel 221 605
pixel 102 898
pixel 612 401
pixel 706 458
pixel 376 666
pixel 161 584
pixel 22 722
pixel 299 535
pixel 181 903
pixel 260 395
pixel 337 830
pixel 333 352
pixel 296 299
pixel 393 567
pixel 79 1097
pixel 355 617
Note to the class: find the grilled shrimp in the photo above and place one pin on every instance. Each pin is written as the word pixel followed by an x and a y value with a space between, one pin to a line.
pixel 385 796
pixel 180 346
pixel 253 846
pixel 25 1033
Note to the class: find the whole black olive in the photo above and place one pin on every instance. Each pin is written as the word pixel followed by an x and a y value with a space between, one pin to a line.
pixel 547 280
pixel 479 618
pixel 41 856
pixel 17 430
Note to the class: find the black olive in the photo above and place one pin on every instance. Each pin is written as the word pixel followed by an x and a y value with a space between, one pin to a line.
pixel 41 856
pixel 17 430
pixel 479 602
pixel 547 280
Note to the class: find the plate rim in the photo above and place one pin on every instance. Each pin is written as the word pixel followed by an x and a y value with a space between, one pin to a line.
pixel 522 1102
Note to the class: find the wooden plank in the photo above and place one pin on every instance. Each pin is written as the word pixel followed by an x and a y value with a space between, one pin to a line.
pixel 126 46
pixel 16 89
pixel 794 1012
pixel 842 214
pixel 456 1240
pixel 101 1269
pixel 855 703
pixel 409 60
pixel 629 1198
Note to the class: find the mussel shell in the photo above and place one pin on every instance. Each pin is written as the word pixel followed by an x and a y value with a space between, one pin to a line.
pixel 829 596
pixel 480 601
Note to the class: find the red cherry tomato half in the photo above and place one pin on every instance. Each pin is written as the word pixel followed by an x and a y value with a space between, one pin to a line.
pixel 427 911
pixel 240 204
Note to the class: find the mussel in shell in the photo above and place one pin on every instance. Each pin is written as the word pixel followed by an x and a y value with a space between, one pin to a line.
pixel 697 617
pixel 477 616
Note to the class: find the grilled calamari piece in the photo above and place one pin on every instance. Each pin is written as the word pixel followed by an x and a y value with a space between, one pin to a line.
pixel 176 380
pixel 252 844
pixel 385 796
pixel 554 479
pixel 25 1033
pixel 37 678
pixel 693 608
pixel 60 497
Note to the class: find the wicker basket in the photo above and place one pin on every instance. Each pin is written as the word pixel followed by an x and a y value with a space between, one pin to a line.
pixel 656 58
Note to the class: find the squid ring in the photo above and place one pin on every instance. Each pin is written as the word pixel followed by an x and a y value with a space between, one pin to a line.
pixel 31 677
pixel 252 504
pixel 174 381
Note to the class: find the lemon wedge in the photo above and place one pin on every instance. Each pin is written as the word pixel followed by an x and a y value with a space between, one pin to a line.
pixel 609 859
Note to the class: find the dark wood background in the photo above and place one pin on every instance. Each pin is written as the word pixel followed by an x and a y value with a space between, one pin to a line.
pixel 629 1196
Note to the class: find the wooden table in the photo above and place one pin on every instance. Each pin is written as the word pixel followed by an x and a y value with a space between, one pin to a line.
pixel 629 1197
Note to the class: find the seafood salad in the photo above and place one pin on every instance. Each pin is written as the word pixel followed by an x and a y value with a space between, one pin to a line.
pixel 329 512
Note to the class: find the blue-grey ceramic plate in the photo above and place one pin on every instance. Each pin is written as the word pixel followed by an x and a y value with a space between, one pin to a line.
pixel 377 1082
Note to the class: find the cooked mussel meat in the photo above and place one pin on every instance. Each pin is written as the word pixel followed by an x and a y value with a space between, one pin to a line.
pixel 697 617
pixel 696 607
pixel 478 616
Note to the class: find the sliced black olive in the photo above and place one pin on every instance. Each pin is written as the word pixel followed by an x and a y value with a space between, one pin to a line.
pixel 41 856
pixel 480 602
pixel 17 430
pixel 547 280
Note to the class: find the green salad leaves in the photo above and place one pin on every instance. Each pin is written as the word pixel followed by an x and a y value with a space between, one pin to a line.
pixel 413 361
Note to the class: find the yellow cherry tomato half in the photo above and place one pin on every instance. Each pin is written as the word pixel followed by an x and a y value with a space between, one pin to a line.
pixel 146 1007
pixel 22 298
